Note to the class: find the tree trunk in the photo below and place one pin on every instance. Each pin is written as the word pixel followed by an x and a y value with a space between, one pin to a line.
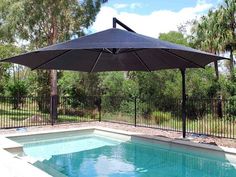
pixel 54 96
pixel 53 73
pixel 216 70
pixel 53 77
pixel 231 64
pixel 216 67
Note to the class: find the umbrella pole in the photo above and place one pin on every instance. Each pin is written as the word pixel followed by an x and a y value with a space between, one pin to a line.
pixel 183 102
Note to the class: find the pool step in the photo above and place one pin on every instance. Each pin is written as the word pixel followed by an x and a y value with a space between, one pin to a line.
pixel 11 146
pixel 48 169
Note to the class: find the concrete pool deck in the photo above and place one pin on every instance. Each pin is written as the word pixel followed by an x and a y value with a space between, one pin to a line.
pixel 11 165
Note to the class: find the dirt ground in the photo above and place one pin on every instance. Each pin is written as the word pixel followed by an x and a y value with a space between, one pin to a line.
pixel 146 131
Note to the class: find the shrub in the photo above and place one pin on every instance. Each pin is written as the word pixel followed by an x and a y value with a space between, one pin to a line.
pixel 144 109
pixel 196 108
pixel 231 108
pixel 71 112
pixel 17 91
pixel 161 117
pixel 127 106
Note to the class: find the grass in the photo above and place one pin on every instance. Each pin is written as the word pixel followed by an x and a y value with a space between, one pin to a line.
pixel 30 115
pixel 210 126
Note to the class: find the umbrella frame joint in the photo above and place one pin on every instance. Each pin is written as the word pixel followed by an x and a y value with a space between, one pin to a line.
pixel 116 21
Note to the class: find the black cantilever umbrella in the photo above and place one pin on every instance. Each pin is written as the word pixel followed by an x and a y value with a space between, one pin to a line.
pixel 114 50
pixel 117 50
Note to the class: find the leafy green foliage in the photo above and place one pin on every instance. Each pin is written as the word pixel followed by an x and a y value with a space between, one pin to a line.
pixel 44 23
pixel 161 117
pixel 174 37
pixel 17 91
pixel 78 87
pixel 215 33
pixel 6 50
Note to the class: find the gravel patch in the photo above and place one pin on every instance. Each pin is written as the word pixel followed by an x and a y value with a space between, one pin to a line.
pixel 144 130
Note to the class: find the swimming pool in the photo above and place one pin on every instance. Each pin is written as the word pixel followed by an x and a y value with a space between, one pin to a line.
pixel 96 155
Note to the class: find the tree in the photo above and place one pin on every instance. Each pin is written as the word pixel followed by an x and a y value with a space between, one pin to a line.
pixel 80 87
pixel 6 50
pixel 174 37
pixel 215 32
pixel 47 22
pixel 17 90
pixel 228 23
pixel 206 35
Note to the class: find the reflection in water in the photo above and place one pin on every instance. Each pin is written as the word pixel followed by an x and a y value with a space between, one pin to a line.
pixel 137 160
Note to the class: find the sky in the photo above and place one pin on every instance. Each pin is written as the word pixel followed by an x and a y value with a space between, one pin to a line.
pixel 151 17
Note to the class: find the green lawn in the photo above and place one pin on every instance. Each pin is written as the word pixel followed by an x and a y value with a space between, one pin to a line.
pixel 29 117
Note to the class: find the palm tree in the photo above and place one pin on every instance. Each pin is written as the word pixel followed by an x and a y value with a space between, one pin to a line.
pixel 228 22
pixel 206 35
pixel 214 40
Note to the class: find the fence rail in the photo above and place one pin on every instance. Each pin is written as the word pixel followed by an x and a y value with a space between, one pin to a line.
pixel 215 117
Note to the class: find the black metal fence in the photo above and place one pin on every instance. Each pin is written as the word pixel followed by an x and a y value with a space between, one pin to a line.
pixel 215 117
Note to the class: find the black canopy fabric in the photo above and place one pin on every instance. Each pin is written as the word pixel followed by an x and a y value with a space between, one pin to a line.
pixel 114 50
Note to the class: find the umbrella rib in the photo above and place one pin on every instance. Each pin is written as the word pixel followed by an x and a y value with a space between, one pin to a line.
pixel 108 50
pixel 44 63
pixel 141 61
pixel 96 61
pixel 118 51
pixel 182 58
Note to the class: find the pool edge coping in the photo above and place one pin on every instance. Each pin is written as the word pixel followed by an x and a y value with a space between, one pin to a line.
pixel 183 142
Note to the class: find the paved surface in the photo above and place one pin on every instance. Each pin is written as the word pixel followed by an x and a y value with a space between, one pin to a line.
pixel 147 131
pixel 10 166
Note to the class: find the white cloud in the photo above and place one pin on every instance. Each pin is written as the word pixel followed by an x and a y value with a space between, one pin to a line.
pixel 135 5
pixel 123 5
pixel 120 6
pixel 153 24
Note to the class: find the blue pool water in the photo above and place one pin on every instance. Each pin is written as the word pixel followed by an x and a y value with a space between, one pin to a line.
pixel 94 156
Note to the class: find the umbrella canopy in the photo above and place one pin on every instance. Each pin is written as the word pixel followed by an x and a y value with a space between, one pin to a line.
pixel 114 50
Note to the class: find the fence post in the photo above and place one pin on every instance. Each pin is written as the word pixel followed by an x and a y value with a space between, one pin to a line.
pixel 100 109
pixel 98 104
pixel 53 108
pixel 135 111
pixel 219 107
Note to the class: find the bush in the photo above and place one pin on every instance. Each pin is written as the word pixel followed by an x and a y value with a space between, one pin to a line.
pixel 17 91
pixel 144 109
pixel 71 112
pixel 127 106
pixel 161 117
pixel 111 103
pixel 196 108
pixel 231 108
